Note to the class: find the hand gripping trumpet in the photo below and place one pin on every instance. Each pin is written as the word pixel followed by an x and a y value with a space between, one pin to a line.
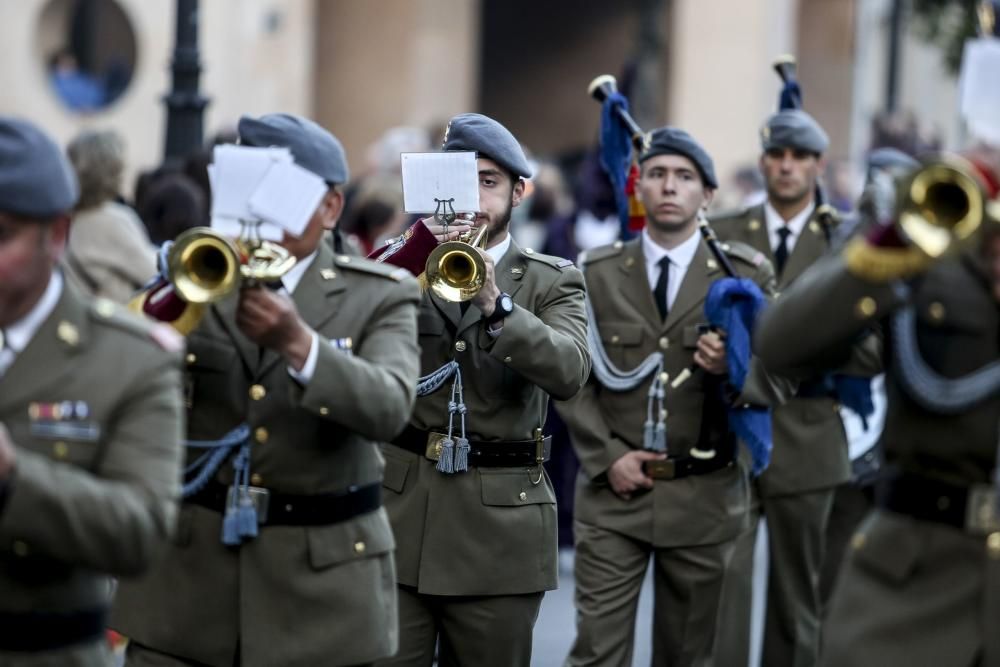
pixel 201 267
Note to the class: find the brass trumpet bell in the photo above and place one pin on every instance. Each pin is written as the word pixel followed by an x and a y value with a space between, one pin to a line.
pixel 455 270
pixel 203 266
pixel 941 205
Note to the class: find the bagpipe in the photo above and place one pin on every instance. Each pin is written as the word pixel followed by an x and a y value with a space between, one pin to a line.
pixel 732 304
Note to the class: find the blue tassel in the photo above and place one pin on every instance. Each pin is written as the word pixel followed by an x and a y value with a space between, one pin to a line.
pixel 446 463
pixel 246 519
pixel 230 529
pixel 462 455
pixel 648 434
pixel 660 438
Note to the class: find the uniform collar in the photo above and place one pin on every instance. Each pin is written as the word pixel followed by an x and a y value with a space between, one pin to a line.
pixel 498 251
pixel 680 255
pixel 291 279
pixel 20 333
pixel 795 225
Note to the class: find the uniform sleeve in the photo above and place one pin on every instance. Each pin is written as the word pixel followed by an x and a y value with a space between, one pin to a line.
pixel 596 448
pixel 826 312
pixel 548 347
pixel 372 390
pixel 114 518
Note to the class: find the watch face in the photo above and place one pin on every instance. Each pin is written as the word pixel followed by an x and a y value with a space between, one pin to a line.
pixel 506 303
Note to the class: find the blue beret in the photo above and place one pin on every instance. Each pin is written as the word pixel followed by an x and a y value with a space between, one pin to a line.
pixel 36 180
pixel 313 147
pixel 794 128
pixel 675 141
pixel 488 138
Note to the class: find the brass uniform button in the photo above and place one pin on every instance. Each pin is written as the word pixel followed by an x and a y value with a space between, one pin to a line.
pixel 60 450
pixel 616 338
pixel 257 392
pixel 664 343
pixel 712 264
pixel 507 360
pixel 256 479
pixel 936 311
pixel 754 225
pixel 324 411
pixel 993 545
pixel 460 346
pixel 260 434
pixel 629 261
pixel 522 496
pixel 359 548
pixel 858 541
pixel 191 358
pixel 865 307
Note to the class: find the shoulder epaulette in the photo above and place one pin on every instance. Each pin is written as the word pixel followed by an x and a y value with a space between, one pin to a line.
pixel 374 268
pixel 601 252
pixel 119 317
pixel 744 252
pixel 550 260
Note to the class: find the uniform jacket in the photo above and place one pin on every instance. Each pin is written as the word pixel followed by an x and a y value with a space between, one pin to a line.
pixel 295 595
pixel 810 444
pixel 605 425
pixel 490 531
pixel 93 406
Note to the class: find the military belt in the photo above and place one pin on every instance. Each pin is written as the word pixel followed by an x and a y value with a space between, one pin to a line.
pixel 972 509
pixel 286 509
pixel 48 631
pixel 686 466
pixel 501 454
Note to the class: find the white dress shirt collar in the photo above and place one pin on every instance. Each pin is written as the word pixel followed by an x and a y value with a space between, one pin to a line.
pixel 291 279
pixel 20 333
pixel 499 250
pixel 795 225
pixel 680 256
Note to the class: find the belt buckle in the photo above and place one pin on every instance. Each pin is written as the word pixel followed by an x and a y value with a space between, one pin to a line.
pixel 259 497
pixel 433 450
pixel 981 516
pixel 664 469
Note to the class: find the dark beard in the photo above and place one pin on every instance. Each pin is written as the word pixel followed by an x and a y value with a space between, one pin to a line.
pixel 503 221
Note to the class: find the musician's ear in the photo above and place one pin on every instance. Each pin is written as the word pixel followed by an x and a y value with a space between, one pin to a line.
pixel 332 207
pixel 709 194
pixel 518 192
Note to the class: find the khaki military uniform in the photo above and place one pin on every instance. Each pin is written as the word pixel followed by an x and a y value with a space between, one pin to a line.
pixel 477 548
pixel 688 523
pixel 810 459
pixel 922 584
pixel 296 595
pixel 93 406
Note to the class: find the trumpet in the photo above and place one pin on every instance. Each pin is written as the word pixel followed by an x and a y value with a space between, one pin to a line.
pixel 202 267
pixel 941 205
pixel 455 270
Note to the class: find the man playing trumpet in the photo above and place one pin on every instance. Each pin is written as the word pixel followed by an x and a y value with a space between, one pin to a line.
pixel 472 508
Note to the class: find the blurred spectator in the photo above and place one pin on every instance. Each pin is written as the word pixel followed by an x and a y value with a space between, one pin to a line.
pixel 77 90
pixel 171 202
pixel 748 187
pixel 901 130
pixel 374 212
pixel 109 254
pixel 841 190
pixel 548 199
pixel 595 220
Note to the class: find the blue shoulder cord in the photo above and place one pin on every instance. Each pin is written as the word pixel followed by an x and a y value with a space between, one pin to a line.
pixel 240 520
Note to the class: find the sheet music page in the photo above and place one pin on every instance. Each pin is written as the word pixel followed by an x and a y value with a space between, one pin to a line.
pixel 287 196
pixel 236 173
pixel 232 229
pixel 431 176
pixel 979 88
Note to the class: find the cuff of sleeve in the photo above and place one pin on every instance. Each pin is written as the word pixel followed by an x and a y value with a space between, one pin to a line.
pixel 309 368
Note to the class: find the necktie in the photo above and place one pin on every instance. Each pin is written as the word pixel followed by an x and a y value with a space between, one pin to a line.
pixel 781 252
pixel 660 291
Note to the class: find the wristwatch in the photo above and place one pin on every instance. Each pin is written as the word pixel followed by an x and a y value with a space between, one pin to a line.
pixel 504 307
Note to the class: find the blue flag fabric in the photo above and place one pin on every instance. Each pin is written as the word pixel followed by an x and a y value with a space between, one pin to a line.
pixel 616 155
pixel 733 305
pixel 855 394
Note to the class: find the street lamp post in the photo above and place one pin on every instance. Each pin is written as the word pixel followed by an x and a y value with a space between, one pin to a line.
pixel 185 105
